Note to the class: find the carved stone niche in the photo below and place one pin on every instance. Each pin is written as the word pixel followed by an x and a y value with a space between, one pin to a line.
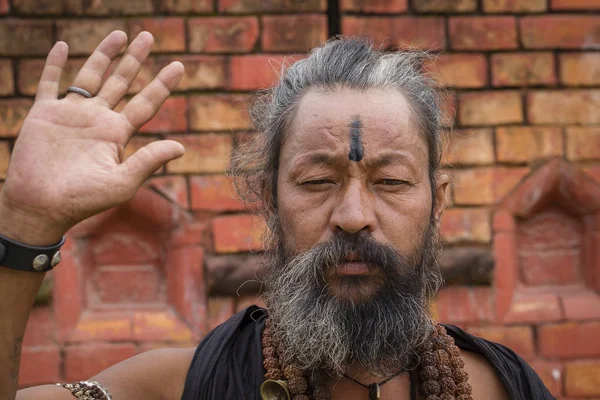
pixel 128 274
pixel 547 247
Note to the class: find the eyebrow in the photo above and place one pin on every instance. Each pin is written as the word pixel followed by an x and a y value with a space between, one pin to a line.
pixel 390 158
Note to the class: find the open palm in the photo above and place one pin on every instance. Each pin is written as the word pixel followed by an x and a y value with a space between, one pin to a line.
pixel 67 163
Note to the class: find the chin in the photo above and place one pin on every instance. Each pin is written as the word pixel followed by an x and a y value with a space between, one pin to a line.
pixel 354 289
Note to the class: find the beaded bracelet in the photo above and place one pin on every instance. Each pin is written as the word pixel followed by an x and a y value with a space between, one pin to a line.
pixel 86 390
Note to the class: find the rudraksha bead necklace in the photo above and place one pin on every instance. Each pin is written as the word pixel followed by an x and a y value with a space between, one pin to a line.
pixel 441 369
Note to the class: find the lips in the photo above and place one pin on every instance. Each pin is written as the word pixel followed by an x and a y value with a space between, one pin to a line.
pixel 353 268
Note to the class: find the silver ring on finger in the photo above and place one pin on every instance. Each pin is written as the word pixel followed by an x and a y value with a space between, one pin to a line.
pixel 78 90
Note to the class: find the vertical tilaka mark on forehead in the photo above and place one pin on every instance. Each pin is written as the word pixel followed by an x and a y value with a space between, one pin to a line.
pixel 356 147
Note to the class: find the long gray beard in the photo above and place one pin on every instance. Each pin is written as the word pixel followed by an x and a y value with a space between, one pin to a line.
pixel 323 333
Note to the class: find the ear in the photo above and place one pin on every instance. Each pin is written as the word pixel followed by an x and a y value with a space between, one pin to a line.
pixel 441 192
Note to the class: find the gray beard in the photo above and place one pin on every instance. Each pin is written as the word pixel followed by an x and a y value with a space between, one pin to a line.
pixel 322 333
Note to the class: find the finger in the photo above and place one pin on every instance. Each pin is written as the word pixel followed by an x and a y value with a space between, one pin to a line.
pixel 91 74
pixel 117 84
pixel 55 62
pixel 141 164
pixel 142 107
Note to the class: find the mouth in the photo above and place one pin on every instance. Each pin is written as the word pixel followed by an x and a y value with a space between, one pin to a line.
pixel 353 265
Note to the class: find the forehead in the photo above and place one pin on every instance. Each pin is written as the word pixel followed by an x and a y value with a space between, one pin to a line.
pixel 325 119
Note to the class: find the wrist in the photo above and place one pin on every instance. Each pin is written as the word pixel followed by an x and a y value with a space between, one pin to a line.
pixel 27 228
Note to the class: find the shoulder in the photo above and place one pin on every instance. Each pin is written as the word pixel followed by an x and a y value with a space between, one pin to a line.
pixel 483 378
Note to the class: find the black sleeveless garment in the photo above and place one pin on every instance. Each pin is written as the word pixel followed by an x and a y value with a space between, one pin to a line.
pixel 228 365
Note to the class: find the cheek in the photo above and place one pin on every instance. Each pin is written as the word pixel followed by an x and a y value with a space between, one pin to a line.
pixel 303 221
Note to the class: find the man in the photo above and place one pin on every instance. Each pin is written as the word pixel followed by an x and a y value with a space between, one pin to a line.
pixel 346 168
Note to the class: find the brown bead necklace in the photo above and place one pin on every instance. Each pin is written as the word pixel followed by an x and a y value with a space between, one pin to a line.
pixel 441 371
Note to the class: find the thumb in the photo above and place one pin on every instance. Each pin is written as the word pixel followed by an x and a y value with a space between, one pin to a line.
pixel 146 160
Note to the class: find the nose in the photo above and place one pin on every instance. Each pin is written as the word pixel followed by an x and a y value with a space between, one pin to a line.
pixel 354 211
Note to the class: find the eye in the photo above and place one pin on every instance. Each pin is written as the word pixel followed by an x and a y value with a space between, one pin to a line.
pixel 317 182
pixel 392 182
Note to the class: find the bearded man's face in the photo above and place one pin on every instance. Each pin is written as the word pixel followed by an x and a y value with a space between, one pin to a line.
pixel 352 271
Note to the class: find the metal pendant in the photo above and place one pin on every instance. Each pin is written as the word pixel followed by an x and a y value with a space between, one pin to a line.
pixel 374 392
pixel 274 390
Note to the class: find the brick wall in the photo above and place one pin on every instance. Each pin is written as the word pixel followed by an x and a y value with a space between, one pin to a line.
pixel 526 81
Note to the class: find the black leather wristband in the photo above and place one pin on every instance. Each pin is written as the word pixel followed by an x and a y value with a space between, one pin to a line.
pixel 22 257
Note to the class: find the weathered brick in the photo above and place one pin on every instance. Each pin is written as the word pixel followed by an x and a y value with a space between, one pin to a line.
pixel 204 153
pixel 173 187
pixel 85 361
pixel 214 193
pixel 25 37
pixel 421 32
pixel 460 304
pixel 12 115
pixel 523 69
pixel 40 365
pixel 126 283
pixel 483 33
pixel 460 70
pixel 580 69
pixel 254 72
pixel 223 34
pixel 483 186
pixel 238 233
pixel 560 31
pixel 583 305
pixel 574 4
pixel 470 147
pixel 171 117
pixel 218 113
pixel 569 340
pixel 4 7
pixel 526 144
pixel 533 308
pixel 186 6
pixel 466 225
pixel 444 6
pixel 490 108
pixel 163 326
pixel 374 6
pixel 41 328
pixel 220 309
pixel 583 143
pixel 46 7
pixel 581 378
pixel 7 86
pixel 517 338
pixel 265 6
pixel 564 107
pixel 83 35
pixel 551 374
pixel 293 32
pixel 514 6
pixel 118 7
pixel 169 33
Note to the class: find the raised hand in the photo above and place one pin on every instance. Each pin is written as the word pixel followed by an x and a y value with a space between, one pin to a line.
pixel 67 164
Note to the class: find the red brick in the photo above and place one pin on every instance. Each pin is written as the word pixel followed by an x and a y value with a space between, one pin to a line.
pixel 223 34
pixel 444 6
pixel 483 186
pixel 575 4
pixel 254 72
pixel 204 153
pixel 218 113
pixel 163 326
pixel 186 6
pixel 171 117
pixel 7 86
pixel 560 31
pixel 40 365
pixel 94 327
pixel 85 361
pixel 173 187
pixel 533 308
pixel 580 69
pixel 569 340
pixel 4 6
pixel 12 115
pixel 525 144
pixel 41 327
pixel 517 338
pixel 25 37
pixel 238 233
pixel 127 247
pixel 219 310
pixel 264 6
pixel 581 306
pixel 490 108
pixel 374 6
pixel 45 7
pixel 581 378
pixel 30 72
pixel 293 32
pixel 523 69
pixel 214 193
pixel 470 147
pixel 421 32
pixel 583 143
pixel 564 107
pixel 483 33
pixel 514 6
pixel 460 304
pixel 460 70
pixel 83 35
pixel 461 225
pixel 169 33
pixel 117 7
pixel 551 374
